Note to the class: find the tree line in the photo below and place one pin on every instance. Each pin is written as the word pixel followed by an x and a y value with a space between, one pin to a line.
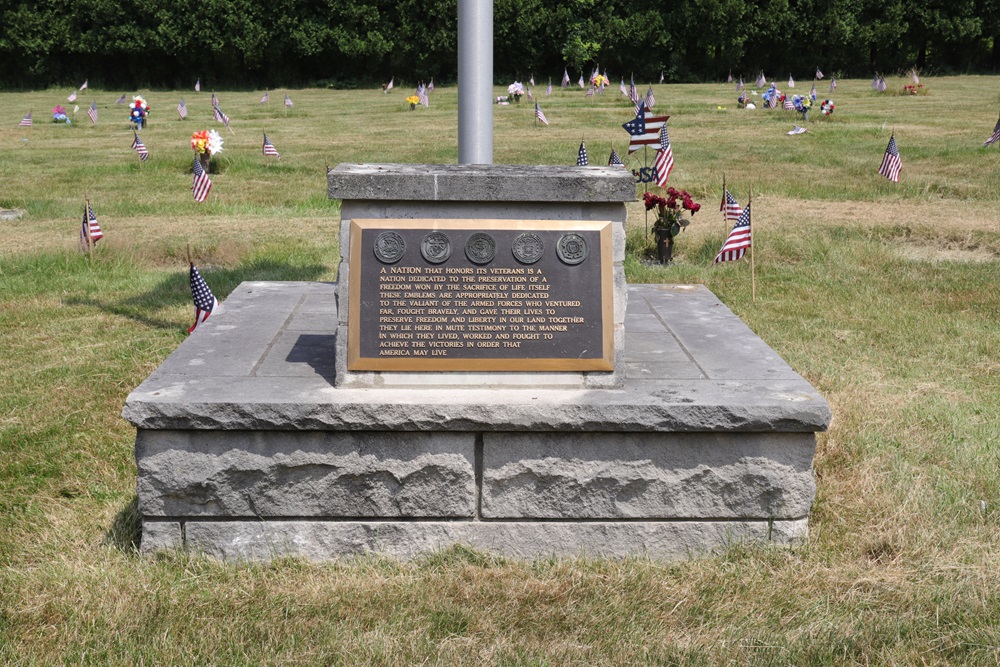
pixel 257 43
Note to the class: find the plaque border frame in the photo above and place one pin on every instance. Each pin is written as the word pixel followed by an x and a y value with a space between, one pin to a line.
pixel 606 362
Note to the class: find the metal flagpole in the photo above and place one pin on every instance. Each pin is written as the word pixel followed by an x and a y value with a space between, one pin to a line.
pixel 753 280
pixel 475 82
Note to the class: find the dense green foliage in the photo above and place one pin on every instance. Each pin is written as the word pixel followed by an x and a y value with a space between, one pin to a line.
pixel 137 43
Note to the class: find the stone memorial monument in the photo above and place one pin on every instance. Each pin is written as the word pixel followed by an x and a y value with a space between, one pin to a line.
pixel 480 373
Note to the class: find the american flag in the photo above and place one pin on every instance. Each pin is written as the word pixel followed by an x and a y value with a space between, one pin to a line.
pixel 644 129
pixel 661 76
pixel 580 82
pixel 791 81
pixel 633 94
pixel 215 100
pixel 92 112
pixel 664 161
pixel 26 121
pixel 120 100
pixel 197 86
pixel 182 109
pixel 761 81
pixel 881 84
pixel 772 102
pixel 430 86
pixel 590 92
pixel 84 86
pixel 548 88
pixel 740 238
pixel 288 100
pixel 140 147
pixel 989 142
pixel 219 116
pixel 530 97
pixel 388 87
pixel 796 129
pixel 819 74
pixel 90 231
pixel 614 160
pixel 531 79
pixel 422 95
pixel 202 183
pixel 72 97
pixel 788 105
pixel 740 85
pixel 269 148
pixel 833 84
pixel 650 100
pixel 204 301
pixel 730 78
pixel 812 93
pixel 582 161
pixel 731 207
pixel 914 78
pixel 891 164
pixel 565 79
pixel 539 115
pixel 264 98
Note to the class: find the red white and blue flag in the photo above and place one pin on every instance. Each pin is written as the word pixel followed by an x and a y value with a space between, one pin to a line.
pixel 269 148
pixel 202 183
pixel 891 164
pixel 540 115
pixel 204 301
pixel 731 207
pixel 739 240
pixel 92 112
pixel 664 161
pixel 140 148
pixel 90 231
pixel 26 121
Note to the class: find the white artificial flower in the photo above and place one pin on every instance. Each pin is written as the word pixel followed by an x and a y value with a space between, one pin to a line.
pixel 214 144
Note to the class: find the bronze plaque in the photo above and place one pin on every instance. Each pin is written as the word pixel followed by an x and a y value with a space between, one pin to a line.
pixel 480 295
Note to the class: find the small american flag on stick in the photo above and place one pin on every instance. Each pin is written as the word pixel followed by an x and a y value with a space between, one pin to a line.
pixel 26 121
pixel 182 109
pixel 739 240
pixel 540 115
pixel 989 142
pixel 269 149
pixel 140 148
pixel 204 301
pixel 891 164
pixel 664 161
pixel 92 112
pixel 202 183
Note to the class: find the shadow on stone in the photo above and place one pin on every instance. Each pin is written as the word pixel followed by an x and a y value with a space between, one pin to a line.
pixel 176 289
pixel 318 351
pixel 126 530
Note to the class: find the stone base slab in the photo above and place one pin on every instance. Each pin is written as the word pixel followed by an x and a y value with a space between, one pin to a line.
pixel 322 540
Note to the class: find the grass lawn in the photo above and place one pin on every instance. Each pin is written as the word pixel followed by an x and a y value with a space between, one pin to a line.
pixel 885 296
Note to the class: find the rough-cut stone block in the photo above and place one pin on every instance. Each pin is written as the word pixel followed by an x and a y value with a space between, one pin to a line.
pixel 326 540
pixel 647 476
pixel 311 474
pixel 160 536
pixel 495 183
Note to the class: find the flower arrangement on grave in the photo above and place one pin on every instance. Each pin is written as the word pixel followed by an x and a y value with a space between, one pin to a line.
pixel 59 115
pixel 826 107
pixel 599 80
pixel 138 110
pixel 205 144
pixel 802 104
pixel 914 89
pixel 670 220
pixel 515 91
pixel 413 101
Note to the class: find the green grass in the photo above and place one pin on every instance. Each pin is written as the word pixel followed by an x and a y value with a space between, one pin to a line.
pixel 885 296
